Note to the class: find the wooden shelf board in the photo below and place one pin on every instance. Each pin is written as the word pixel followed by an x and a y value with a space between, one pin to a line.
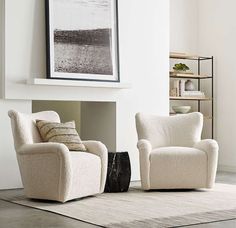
pixel 174 114
pixel 176 55
pixel 191 98
pixel 208 117
pixel 172 75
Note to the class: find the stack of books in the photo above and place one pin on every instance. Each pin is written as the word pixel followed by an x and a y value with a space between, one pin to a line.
pixel 193 94
pixel 178 90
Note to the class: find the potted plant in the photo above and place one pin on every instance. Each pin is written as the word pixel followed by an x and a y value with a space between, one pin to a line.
pixel 181 68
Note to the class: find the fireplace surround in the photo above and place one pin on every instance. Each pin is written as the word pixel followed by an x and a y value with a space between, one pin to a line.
pixel 94 120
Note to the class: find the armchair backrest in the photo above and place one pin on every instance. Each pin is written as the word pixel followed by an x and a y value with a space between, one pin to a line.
pixel 24 128
pixel 161 131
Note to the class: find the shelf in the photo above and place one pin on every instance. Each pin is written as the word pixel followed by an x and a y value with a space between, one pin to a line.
pixel 191 98
pixel 192 76
pixel 197 76
pixel 74 83
pixel 174 114
pixel 177 55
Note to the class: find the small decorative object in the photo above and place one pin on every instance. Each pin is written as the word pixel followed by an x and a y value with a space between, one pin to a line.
pixel 173 92
pixel 189 86
pixel 181 67
pixel 181 109
pixel 118 173
pixel 82 40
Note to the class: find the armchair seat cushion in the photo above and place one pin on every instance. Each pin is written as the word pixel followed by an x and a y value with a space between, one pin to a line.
pixel 86 174
pixel 178 167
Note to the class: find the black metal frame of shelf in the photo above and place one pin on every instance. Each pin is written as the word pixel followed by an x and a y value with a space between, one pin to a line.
pixel 193 77
pixel 189 99
pixel 199 59
pixel 192 58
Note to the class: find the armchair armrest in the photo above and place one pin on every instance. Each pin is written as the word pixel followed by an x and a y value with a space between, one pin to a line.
pixel 207 145
pixel 50 162
pixel 99 149
pixel 145 148
pixel 44 148
pixel 210 147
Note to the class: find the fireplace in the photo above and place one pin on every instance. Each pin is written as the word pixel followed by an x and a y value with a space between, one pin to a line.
pixel 94 120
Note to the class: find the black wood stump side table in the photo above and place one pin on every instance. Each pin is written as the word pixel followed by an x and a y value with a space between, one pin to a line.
pixel 118 172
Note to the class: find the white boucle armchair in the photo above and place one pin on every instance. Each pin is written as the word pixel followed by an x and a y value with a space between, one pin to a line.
pixel 49 170
pixel 172 154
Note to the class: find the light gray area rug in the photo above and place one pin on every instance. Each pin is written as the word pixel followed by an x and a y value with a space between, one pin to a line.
pixel 137 208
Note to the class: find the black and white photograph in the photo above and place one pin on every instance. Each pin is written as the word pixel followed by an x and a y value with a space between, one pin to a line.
pixel 82 40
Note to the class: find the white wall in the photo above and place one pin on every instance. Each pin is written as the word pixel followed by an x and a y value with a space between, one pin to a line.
pixel 184 26
pixel 144 50
pixel 1 47
pixel 209 27
pixel 184 37
pixel 217 35
pixel 9 171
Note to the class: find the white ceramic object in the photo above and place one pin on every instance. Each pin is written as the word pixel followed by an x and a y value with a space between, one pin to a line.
pixel 181 109
pixel 189 86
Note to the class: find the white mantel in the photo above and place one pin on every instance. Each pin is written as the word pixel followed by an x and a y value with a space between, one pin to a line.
pixel 78 83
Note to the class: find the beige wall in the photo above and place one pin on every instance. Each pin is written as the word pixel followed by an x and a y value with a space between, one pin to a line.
pixel 67 110
pixel 99 122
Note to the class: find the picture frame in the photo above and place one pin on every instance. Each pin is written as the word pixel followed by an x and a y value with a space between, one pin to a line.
pixel 82 40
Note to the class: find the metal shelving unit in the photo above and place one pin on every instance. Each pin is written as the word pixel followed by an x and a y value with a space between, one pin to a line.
pixel 197 77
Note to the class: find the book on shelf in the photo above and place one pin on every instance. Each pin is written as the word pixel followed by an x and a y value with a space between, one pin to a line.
pixel 182 87
pixel 173 92
pixel 193 94
pixel 178 88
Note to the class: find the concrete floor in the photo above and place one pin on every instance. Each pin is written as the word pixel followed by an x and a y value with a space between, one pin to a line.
pixel 17 216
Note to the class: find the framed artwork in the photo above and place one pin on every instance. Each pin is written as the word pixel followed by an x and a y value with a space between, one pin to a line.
pixel 82 40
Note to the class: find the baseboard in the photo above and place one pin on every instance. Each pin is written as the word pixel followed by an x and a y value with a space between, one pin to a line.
pixel 227 168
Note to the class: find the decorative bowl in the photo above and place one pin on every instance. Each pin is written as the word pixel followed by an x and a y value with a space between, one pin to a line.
pixel 181 109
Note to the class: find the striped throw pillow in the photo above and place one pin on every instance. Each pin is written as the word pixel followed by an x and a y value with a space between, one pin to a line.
pixel 61 133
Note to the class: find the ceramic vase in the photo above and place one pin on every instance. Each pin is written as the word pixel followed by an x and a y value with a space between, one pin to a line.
pixel 189 86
